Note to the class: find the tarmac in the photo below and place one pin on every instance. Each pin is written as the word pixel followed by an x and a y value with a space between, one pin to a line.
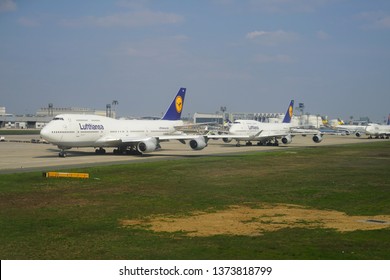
pixel 19 154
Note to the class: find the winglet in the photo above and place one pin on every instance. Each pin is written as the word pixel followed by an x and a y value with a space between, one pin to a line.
pixel 289 113
pixel 174 111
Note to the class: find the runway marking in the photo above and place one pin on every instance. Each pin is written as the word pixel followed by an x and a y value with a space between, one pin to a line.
pixel 255 220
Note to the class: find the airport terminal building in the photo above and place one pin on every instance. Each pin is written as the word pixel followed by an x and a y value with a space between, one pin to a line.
pixel 42 117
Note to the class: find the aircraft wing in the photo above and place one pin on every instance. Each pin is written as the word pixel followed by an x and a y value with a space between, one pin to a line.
pixel 256 136
pixel 182 137
pixel 304 131
pixel 191 125
pixel 199 128
pixel 109 140
pixel 176 137
pixel 121 140
pixel 133 140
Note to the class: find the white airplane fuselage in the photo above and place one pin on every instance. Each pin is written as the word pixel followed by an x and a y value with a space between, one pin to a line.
pixel 264 133
pixel 378 130
pixel 71 130
pixel 253 128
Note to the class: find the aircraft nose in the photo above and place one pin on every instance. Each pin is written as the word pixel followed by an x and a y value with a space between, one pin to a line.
pixel 45 134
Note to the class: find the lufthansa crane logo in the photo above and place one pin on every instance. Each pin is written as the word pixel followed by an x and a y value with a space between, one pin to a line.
pixel 179 104
pixel 290 111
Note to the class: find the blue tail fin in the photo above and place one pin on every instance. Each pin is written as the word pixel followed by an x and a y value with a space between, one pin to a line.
pixel 289 113
pixel 174 111
pixel 388 120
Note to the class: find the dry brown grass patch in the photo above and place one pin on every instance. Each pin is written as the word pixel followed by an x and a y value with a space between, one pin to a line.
pixel 249 221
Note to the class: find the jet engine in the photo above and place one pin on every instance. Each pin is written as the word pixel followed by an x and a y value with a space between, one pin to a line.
pixel 358 134
pixel 286 139
pixel 227 140
pixel 198 143
pixel 147 146
pixel 317 138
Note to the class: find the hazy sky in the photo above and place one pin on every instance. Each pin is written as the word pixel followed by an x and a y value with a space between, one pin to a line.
pixel 247 55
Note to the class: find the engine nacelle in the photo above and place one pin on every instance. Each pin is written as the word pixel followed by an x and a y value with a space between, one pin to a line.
pixel 317 138
pixel 227 140
pixel 198 143
pixel 358 134
pixel 286 139
pixel 147 146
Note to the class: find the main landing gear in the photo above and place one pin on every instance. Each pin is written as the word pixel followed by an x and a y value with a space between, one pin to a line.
pixel 127 151
pixel 100 151
pixel 260 143
pixel 62 154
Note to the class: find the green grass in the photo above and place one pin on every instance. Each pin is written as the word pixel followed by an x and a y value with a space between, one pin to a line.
pixel 44 218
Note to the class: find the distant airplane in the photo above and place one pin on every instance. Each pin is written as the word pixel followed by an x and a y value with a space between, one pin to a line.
pixel 266 133
pixel 126 136
pixel 349 129
pixel 378 130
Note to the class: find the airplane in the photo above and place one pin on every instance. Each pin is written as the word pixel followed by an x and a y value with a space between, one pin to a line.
pixel 266 133
pixel 356 129
pixel 127 136
pixel 378 130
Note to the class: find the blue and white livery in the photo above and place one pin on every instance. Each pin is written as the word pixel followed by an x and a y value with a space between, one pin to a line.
pixel 126 136
pixel 265 133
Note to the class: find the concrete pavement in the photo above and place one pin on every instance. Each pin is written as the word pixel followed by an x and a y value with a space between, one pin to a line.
pixel 25 156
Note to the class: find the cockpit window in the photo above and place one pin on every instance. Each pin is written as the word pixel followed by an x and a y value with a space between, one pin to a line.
pixel 58 119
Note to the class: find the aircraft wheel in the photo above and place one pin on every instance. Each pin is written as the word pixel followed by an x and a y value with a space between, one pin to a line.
pixel 100 151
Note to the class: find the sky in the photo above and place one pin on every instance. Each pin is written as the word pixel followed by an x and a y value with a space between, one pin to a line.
pixel 247 55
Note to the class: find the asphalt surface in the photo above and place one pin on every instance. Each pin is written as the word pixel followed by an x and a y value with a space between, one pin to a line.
pixel 18 154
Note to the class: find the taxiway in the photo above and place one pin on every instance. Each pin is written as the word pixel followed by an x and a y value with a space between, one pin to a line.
pixel 18 154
